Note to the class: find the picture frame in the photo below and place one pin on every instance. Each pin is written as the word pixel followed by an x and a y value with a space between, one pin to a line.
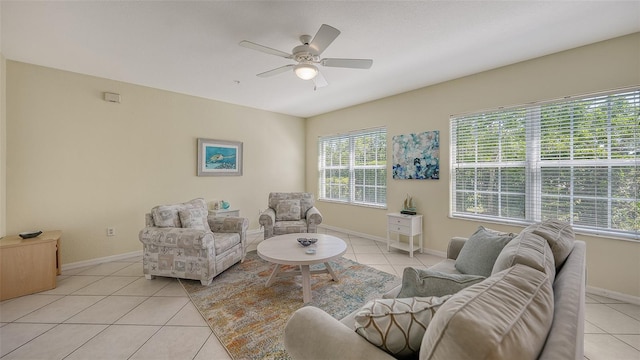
pixel 219 157
pixel 417 156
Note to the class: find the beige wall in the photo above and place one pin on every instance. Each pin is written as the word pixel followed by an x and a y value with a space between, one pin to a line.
pixel 612 264
pixel 3 147
pixel 80 164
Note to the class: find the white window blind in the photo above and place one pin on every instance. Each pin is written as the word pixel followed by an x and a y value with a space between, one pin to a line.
pixel 353 167
pixel 575 160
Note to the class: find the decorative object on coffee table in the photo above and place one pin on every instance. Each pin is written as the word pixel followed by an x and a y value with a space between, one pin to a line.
pixel 307 241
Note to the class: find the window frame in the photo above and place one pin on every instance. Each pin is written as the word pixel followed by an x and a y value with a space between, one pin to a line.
pixel 351 166
pixel 535 164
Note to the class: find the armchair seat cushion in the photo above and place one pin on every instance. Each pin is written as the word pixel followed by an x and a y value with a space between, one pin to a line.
pixel 176 237
pixel 225 241
pixel 288 227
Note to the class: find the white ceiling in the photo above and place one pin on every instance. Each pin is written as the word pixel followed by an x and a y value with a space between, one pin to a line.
pixel 191 47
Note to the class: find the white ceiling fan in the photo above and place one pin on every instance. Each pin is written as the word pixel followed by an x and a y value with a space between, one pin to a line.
pixel 307 56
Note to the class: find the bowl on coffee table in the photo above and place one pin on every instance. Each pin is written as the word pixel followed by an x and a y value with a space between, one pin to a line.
pixel 307 241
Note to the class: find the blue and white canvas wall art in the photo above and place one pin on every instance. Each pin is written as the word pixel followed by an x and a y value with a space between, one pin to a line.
pixel 417 156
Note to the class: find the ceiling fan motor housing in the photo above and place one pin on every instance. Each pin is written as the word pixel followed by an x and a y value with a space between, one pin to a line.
pixel 304 53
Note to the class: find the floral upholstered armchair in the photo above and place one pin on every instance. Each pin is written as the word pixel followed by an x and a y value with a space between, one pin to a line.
pixel 183 241
pixel 290 213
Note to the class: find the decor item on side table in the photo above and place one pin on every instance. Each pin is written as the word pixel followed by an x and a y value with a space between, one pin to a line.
pixel 531 306
pixel 183 241
pixel 290 213
pixel 408 208
pixel 219 158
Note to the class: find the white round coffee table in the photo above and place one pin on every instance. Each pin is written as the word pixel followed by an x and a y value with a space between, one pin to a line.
pixel 285 250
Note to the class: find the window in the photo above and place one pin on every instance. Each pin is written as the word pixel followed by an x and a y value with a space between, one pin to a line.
pixel 576 160
pixel 353 167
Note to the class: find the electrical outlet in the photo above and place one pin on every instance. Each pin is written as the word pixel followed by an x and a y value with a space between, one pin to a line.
pixel 111 231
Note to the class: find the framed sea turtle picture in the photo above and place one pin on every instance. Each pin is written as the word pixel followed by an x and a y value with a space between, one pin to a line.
pixel 219 157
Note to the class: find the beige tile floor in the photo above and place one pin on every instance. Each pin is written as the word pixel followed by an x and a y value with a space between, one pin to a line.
pixel 110 311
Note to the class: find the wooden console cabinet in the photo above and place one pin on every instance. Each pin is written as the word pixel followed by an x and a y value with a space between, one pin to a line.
pixel 28 266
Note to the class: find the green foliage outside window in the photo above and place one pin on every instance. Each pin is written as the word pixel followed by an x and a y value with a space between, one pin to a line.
pixel 574 160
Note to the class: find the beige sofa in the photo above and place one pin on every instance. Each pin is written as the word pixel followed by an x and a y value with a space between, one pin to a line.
pixel 527 308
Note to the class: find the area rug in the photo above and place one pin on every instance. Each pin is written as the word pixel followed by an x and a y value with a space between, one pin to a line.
pixel 249 318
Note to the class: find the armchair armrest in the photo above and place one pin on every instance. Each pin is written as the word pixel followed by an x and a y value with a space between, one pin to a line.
pixel 169 237
pixel 267 218
pixel 228 224
pixel 330 339
pixel 148 220
pixel 313 216
pixel 455 245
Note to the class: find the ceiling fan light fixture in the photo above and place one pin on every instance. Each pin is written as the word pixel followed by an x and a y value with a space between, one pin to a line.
pixel 306 71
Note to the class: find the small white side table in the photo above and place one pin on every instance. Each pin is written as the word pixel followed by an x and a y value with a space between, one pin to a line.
pixel 409 225
pixel 225 213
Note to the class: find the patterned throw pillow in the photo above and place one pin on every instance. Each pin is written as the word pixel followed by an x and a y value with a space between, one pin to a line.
pixel 426 282
pixel 397 325
pixel 194 218
pixel 288 210
pixel 166 216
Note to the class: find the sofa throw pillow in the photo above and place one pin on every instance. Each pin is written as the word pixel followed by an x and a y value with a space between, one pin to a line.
pixel 560 236
pixel 527 249
pixel 194 218
pixel 168 216
pixel 288 210
pixel 507 316
pixel 397 325
pixel 426 282
pixel 479 252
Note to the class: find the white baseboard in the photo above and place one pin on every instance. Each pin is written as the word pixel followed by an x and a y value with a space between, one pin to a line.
pixel 101 260
pixel 441 254
pixel 614 295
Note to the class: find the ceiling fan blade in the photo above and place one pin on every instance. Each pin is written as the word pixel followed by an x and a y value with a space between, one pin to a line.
pixel 319 81
pixel 264 49
pixel 324 37
pixel 348 63
pixel 276 71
